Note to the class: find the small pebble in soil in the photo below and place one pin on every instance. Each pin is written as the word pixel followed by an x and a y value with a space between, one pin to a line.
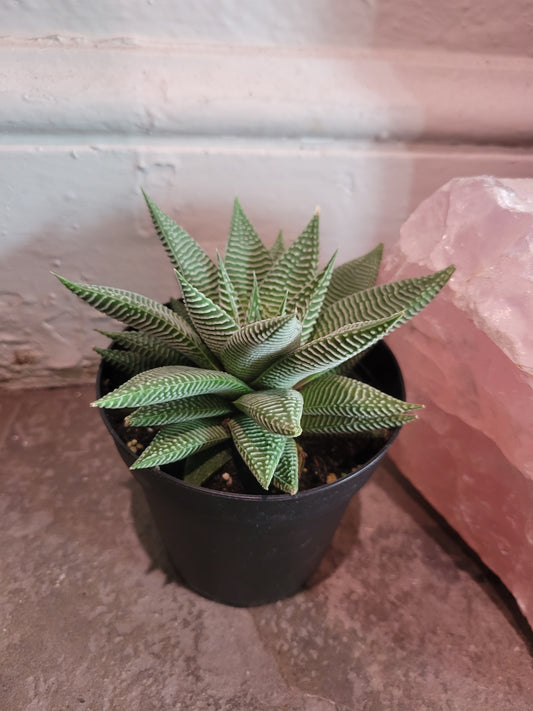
pixel 134 445
pixel 342 454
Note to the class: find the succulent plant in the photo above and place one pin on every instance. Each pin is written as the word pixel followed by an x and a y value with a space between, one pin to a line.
pixel 256 353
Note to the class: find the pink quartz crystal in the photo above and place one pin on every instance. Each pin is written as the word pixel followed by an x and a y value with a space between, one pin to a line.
pixel 469 358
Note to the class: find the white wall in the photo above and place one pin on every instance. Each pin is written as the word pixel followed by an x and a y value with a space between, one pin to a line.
pixel 364 108
pixel 483 27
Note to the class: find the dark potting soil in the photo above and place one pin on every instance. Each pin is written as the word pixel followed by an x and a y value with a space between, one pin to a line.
pixel 325 459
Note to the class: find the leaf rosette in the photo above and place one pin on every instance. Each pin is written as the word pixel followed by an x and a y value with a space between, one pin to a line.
pixel 256 353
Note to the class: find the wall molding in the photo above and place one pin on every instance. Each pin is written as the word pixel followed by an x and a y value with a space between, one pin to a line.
pixel 53 87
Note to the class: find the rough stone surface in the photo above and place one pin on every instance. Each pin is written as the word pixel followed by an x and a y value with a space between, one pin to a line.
pixel 400 615
pixel 469 358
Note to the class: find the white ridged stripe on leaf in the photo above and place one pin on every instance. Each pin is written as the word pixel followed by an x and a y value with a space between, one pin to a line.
pixel 212 322
pixel 184 252
pixel 126 361
pixel 145 315
pixel 278 411
pixel 356 275
pixel 260 450
pixel 408 295
pixel 254 312
pixel 283 306
pixel 245 254
pixel 308 302
pixel 293 271
pixel 250 350
pixel 287 472
pixel 172 382
pixel 324 353
pixel 337 395
pixel 175 442
pixel 227 294
pixel 278 248
pixel 144 344
pixel 189 408
pixel 340 424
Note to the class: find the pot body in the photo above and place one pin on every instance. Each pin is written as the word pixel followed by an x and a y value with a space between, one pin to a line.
pixel 251 550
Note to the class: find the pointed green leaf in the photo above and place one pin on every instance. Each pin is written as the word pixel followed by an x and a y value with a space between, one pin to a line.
pixel 278 411
pixel 200 466
pixel 278 248
pixel 337 395
pixel 212 322
pixel 293 271
pixel 356 275
pixel 287 472
pixel 175 442
pixel 144 344
pixel 227 295
pixel 125 361
pixel 260 450
pixel 283 306
pixel 184 252
pixel 145 315
pixel 324 353
pixel 308 302
pixel 408 295
pixel 189 408
pixel 252 348
pixel 245 254
pixel 172 382
pixel 344 424
pixel 254 304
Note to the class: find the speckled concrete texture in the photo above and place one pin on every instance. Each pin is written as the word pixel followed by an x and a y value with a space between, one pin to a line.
pixel 400 615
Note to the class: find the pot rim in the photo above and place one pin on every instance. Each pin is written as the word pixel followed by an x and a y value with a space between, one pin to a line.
pixel 316 490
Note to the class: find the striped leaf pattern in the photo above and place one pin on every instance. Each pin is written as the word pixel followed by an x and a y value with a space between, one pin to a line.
pixel 278 411
pixel 145 315
pixel 337 395
pixel 278 248
pixel 172 382
pixel 214 325
pixel 227 294
pixel 287 472
pixel 245 254
pixel 254 312
pixel 283 306
pixel 126 361
pixel 260 450
pixel 409 296
pixel 189 408
pixel 184 252
pixel 175 442
pixel 249 359
pixel 343 424
pixel 356 275
pixel 309 301
pixel 144 344
pixel 324 353
pixel 293 271
pixel 250 350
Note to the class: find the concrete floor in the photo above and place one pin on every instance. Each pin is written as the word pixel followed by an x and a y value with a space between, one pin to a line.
pixel 401 614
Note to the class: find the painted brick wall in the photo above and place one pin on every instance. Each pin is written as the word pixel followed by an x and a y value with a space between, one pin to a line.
pixel 364 108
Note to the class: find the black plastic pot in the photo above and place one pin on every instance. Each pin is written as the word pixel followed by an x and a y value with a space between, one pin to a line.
pixel 251 550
